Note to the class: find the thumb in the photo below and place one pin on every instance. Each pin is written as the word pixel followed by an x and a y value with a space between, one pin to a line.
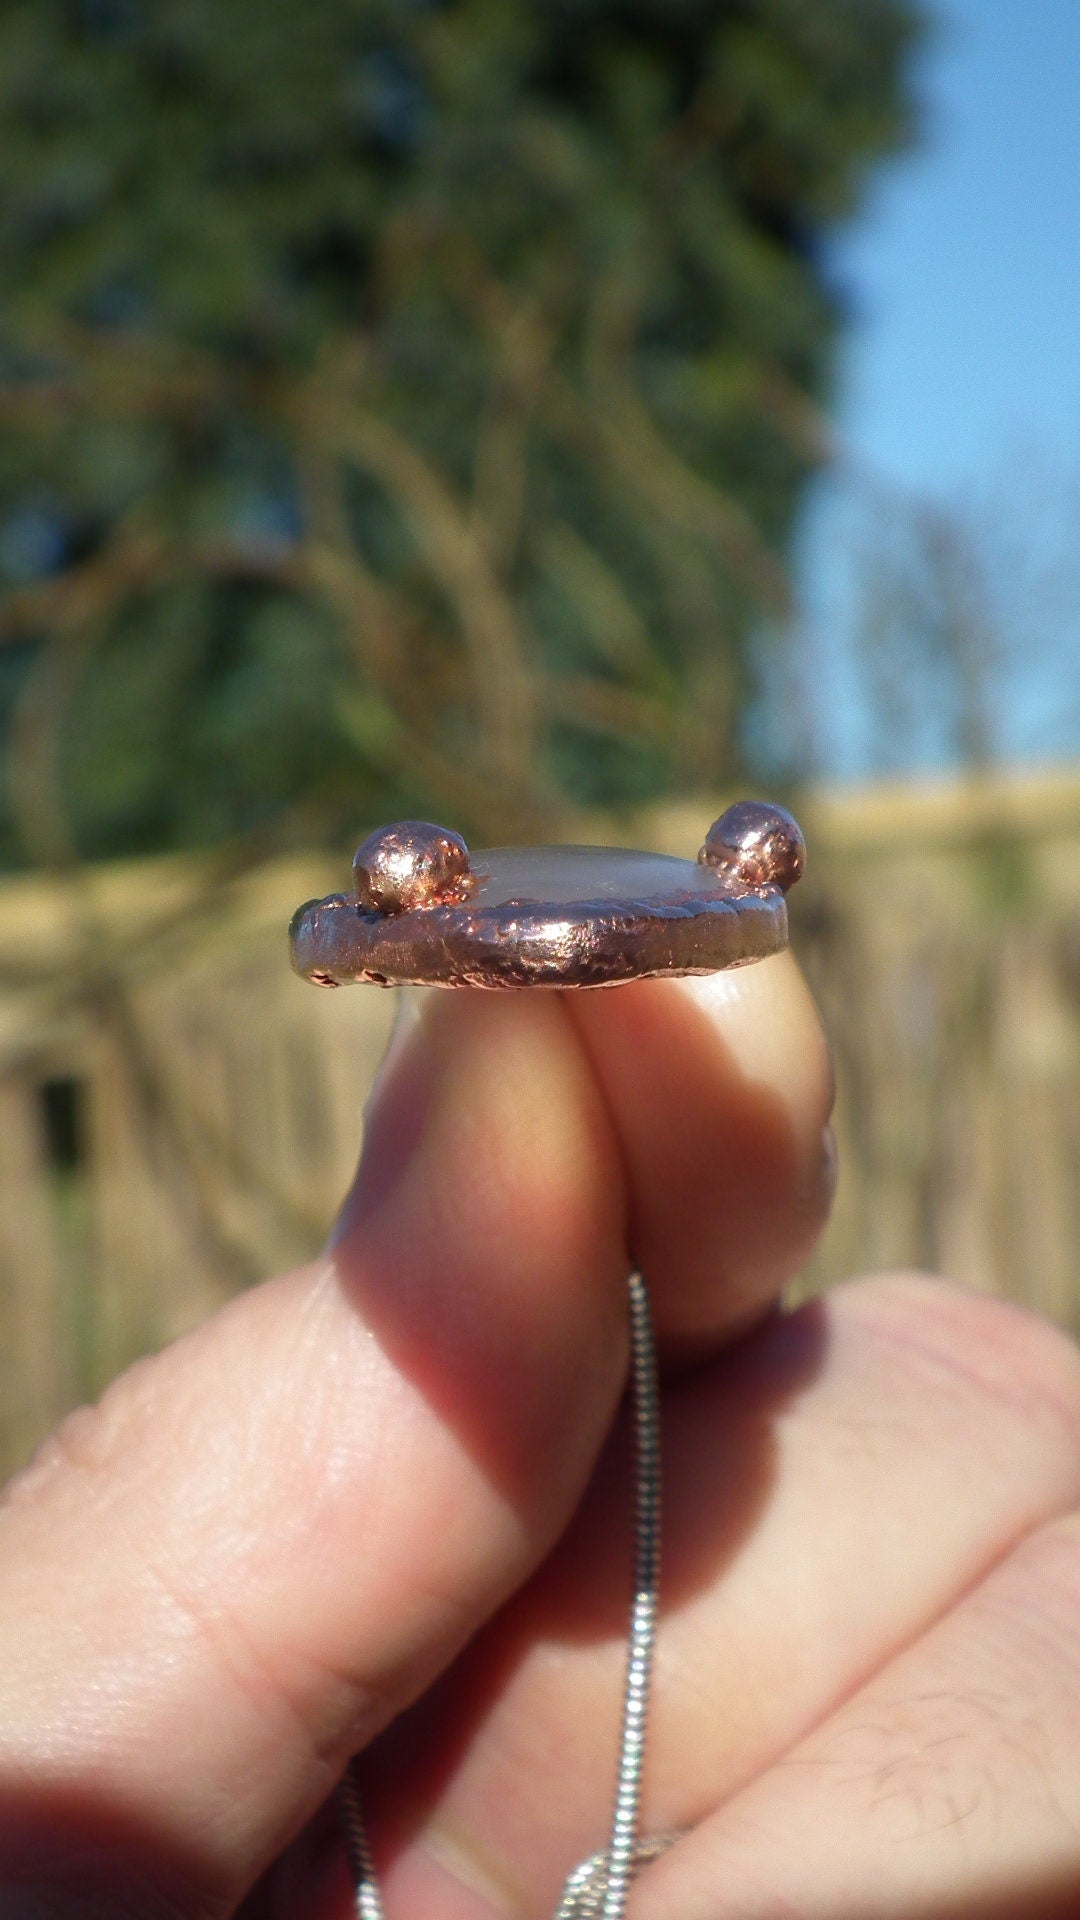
pixel 264 1542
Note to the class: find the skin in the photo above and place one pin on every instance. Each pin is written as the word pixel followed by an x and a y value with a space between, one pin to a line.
pixel 381 1501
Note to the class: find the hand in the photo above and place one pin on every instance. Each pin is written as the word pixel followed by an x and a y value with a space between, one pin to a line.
pixel 269 1541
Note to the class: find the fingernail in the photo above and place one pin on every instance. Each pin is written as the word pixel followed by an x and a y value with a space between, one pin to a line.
pixel 459 1872
pixel 395 1113
pixel 408 1007
pixel 766 1019
pixel 830 1165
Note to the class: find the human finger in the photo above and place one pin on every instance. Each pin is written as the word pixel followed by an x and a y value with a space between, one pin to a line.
pixel 719 1089
pixel 834 1485
pixel 265 1541
pixel 948 1788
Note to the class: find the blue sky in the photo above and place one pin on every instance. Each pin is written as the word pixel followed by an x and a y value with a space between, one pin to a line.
pixel 960 376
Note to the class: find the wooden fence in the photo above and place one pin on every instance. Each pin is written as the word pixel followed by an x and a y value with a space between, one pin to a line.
pixel 179 1114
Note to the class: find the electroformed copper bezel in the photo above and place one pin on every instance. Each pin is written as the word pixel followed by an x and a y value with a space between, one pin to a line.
pixel 571 917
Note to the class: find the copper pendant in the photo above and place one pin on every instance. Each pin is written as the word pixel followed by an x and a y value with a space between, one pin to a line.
pixel 427 912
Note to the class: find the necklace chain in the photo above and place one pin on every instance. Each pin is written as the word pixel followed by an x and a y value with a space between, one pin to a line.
pixel 597 1890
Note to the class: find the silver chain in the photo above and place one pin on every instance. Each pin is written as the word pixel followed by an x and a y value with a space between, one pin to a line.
pixel 596 1890
pixel 351 1813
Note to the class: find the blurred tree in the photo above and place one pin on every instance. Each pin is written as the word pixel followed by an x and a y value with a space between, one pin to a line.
pixel 405 400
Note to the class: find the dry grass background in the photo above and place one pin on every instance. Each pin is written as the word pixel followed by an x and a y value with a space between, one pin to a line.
pixel 179 1114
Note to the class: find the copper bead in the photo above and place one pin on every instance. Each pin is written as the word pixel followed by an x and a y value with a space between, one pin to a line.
pixel 757 843
pixel 412 864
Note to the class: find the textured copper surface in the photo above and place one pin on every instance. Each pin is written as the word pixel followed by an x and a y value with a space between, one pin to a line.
pixel 551 916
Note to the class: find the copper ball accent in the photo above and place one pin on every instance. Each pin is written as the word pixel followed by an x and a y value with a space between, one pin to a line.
pixel 760 844
pixel 412 864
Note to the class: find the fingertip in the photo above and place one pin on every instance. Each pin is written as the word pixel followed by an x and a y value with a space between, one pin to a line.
pixel 720 1089
pixel 772 1031
pixel 487 1142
